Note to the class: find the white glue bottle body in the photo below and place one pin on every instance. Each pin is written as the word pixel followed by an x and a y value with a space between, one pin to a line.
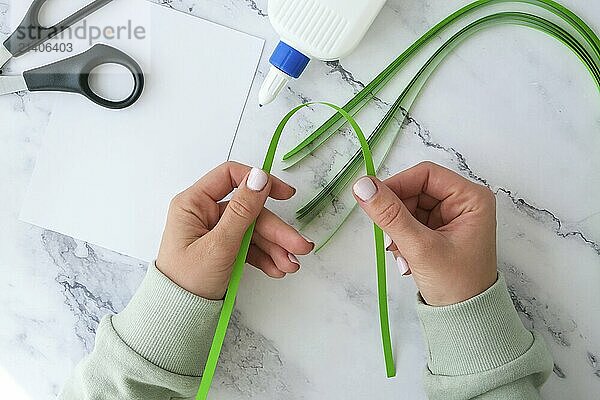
pixel 322 29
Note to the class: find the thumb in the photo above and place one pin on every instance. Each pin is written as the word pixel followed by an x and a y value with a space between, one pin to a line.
pixel 386 210
pixel 245 205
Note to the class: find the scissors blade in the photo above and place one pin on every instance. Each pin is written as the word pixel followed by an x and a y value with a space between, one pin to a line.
pixel 12 84
pixel 5 55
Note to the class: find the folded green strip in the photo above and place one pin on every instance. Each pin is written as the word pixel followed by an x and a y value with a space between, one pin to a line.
pixel 238 267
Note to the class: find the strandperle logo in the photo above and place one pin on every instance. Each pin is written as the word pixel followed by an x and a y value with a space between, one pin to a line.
pixel 91 33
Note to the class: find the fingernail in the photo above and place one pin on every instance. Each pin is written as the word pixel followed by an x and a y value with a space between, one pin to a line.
pixel 309 240
pixel 364 188
pixel 402 265
pixel 293 259
pixel 257 180
pixel 387 240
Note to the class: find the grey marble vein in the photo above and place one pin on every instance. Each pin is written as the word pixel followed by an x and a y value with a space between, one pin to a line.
pixel 542 215
pixel 254 7
pixel 89 282
pixel 345 75
pixel 303 98
pixel 558 372
pixel 543 316
pixel 537 313
pixel 251 365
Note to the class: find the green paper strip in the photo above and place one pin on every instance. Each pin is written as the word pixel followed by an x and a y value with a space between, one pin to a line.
pixel 406 99
pixel 319 136
pixel 584 49
pixel 588 51
pixel 238 267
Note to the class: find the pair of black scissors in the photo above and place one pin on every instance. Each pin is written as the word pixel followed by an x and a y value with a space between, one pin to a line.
pixel 71 74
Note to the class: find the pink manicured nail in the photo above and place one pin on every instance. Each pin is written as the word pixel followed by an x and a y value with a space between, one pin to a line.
pixel 364 188
pixel 387 240
pixel 257 180
pixel 309 240
pixel 293 258
pixel 402 265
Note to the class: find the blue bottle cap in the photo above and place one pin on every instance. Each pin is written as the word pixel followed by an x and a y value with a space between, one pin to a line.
pixel 289 60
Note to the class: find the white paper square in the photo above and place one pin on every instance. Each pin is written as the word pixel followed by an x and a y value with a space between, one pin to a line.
pixel 106 177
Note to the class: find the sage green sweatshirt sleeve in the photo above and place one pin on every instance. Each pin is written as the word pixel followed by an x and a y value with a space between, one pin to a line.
pixel 153 350
pixel 479 349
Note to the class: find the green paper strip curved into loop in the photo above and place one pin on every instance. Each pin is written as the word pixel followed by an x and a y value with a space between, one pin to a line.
pixel 238 267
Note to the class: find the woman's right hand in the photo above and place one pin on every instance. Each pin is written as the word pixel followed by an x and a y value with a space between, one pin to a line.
pixel 442 224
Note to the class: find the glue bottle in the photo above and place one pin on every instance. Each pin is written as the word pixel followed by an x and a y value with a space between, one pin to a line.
pixel 323 29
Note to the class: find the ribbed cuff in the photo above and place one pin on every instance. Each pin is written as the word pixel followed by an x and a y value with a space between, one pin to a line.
pixel 477 335
pixel 167 325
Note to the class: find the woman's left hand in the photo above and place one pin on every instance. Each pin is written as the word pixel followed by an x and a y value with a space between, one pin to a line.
pixel 203 233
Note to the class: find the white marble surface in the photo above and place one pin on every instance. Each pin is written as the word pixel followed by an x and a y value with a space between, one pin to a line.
pixel 527 124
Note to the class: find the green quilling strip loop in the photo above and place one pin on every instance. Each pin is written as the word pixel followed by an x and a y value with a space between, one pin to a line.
pixel 238 267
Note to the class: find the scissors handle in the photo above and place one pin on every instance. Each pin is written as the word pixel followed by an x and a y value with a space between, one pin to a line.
pixel 72 75
pixel 30 33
